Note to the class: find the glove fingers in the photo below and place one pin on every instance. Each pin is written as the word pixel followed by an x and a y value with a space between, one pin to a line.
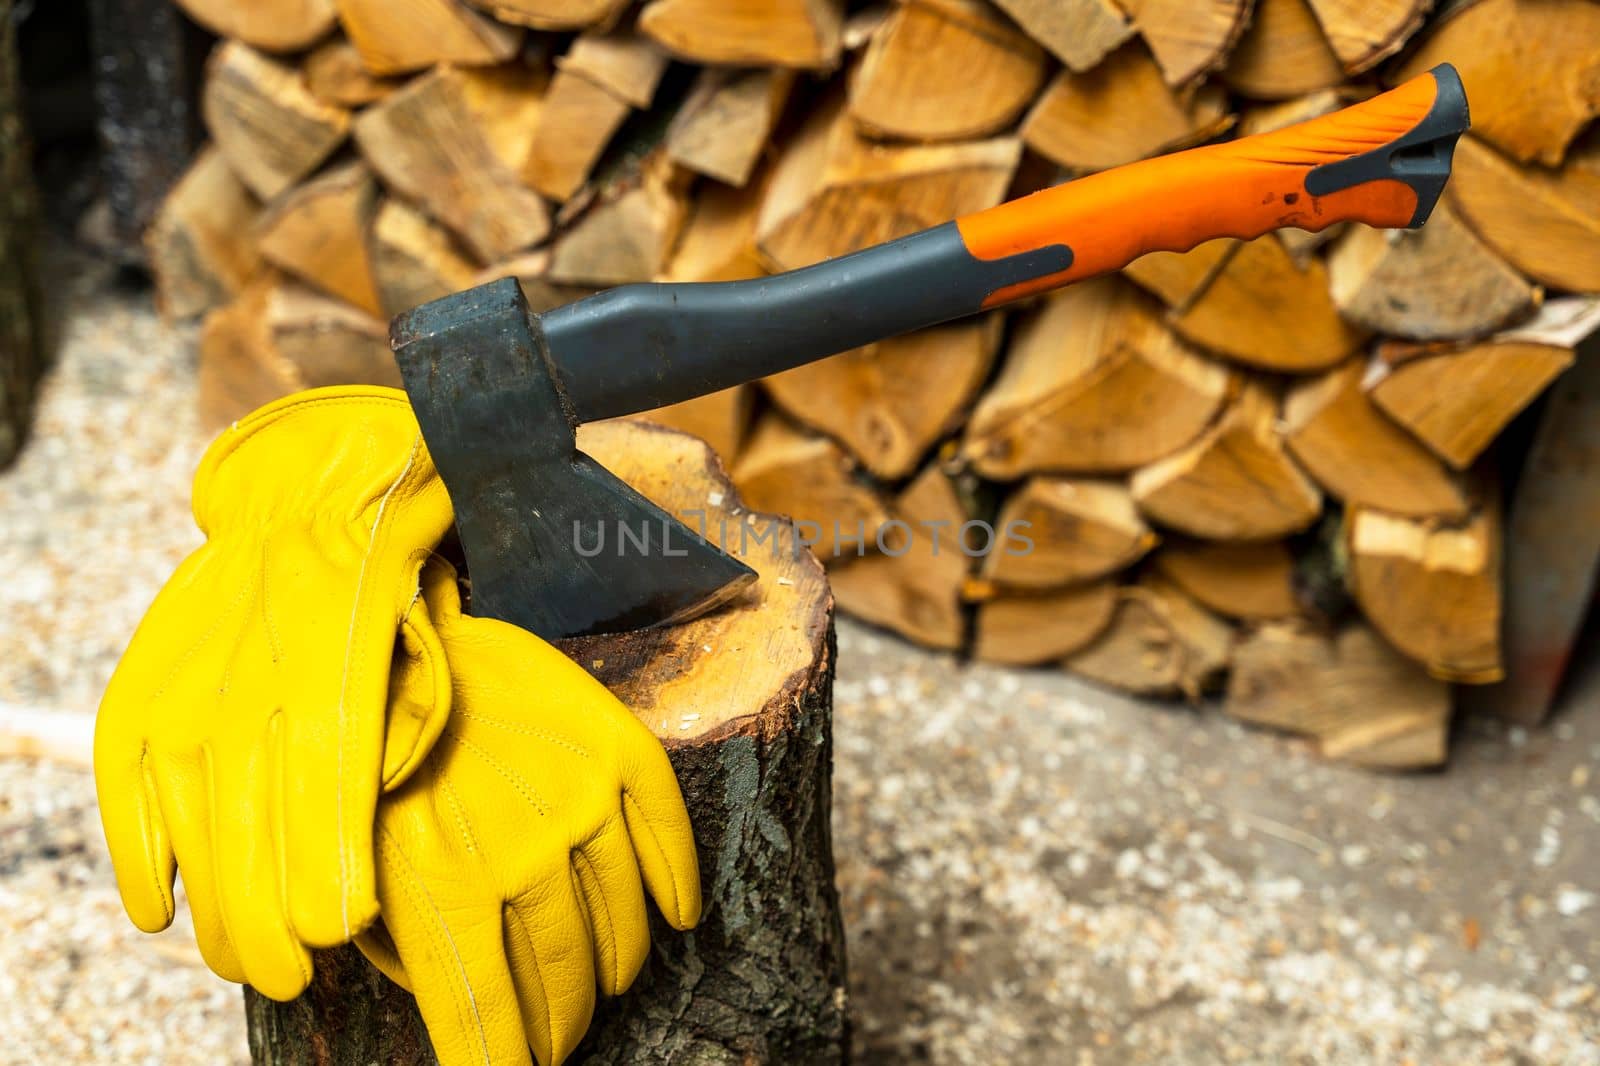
pixel 658 824
pixel 136 835
pixel 249 853
pixel 558 954
pixel 456 958
pixel 329 801
pixel 185 803
pixel 608 882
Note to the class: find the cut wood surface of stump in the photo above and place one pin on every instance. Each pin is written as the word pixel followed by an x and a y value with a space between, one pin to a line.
pixel 742 700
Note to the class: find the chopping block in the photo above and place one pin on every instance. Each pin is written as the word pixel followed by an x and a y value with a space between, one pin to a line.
pixel 742 699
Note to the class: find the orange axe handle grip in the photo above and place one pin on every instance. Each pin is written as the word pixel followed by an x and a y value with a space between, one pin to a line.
pixel 1381 162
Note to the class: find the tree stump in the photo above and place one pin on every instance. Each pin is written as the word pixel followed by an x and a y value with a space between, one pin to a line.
pixel 742 700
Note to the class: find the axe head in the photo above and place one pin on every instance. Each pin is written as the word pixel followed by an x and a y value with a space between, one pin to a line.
pixel 555 543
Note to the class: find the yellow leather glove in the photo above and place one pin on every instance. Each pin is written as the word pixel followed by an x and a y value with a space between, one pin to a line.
pixel 242 737
pixel 509 865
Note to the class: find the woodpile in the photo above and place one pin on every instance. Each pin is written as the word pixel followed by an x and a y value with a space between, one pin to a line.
pixel 1262 469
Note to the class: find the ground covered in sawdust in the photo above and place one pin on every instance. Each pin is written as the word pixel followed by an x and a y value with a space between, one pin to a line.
pixel 1032 870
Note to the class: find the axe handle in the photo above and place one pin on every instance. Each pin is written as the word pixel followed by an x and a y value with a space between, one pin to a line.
pixel 1383 162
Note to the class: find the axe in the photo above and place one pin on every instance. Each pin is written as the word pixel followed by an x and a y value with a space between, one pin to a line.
pixel 499 391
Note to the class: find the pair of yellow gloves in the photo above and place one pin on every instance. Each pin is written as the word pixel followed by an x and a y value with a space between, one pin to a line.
pixel 307 726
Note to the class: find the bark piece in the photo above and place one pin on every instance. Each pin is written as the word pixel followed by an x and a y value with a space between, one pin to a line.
pixel 1236 482
pixel 1265 310
pixel 1545 224
pixel 554 14
pixel 889 402
pixel 1189 38
pixel 628 233
pixel 1120 111
pixel 1077 530
pixel 1360 456
pixel 801 34
pixel 319 233
pixel 424 142
pixel 271 25
pixel 913 586
pixel 722 128
pixel 1030 629
pixel 1433 591
pixel 414 260
pixel 1431 283
pixel 1080 32
pixel 1283 53
pixel 400 36
pixel 829 189
pixel 200 246
pixel 748 729
pixel 267 125
pixel 1357 698
pixel 1530 70
pixel 328 342
pixel 1080 386
pixel 1363 33
pixel 336 75
pixel 1159 643
pixel 788 471
pixel 903 85
pixel 1249 582
pixel 1458 402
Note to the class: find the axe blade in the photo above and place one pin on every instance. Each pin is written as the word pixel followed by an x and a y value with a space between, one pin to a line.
pixel 555 543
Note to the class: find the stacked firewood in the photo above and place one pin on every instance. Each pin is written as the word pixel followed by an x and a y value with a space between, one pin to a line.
pixel 1260 467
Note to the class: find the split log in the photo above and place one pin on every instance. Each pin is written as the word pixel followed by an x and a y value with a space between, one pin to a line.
pixel 1265 310
pixel 1283 54
pixel 555 14
pixel 505 103
pixel 1357 698
pixel 1075 530
pixel 267 125
pixel 21 343
pixel 598 83
pixel 1363 33
pixel 903 86
pixel 802 34
pixel 717 241
pixel 1546 224
pixel 532 271
pixel 1360 456
pixel 828 187
pixel 1079 32
pixel 628 233
pixel 1189 38
pixel 414 260
pixel 1236 482
pixel 1083 375
pixel 240 369
pixel 1120 111
pixel 271 25
pixel 1250 582
pixel 1029 629
pixel 201 247
pixel 810 478
pixel 424 142
pixel 721 419
pixel 887 403
pixel 336 75
pixel 723 127
pixel 1159 643
pixel 318 232
pixel 328 342
pixel 1432 590
pixel 748 728
pixel 1530 70
pixel 401 36
pixel 912 584
pixel 1178 278
pixel 1435 282
pixel 1457 402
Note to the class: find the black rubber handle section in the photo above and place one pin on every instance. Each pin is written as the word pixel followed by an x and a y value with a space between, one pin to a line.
pixel 639 347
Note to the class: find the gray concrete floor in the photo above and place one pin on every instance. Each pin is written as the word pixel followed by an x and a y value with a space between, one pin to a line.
pixel 1033 870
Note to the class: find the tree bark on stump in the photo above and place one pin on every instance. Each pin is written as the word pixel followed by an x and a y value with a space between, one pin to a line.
pixel 742 699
